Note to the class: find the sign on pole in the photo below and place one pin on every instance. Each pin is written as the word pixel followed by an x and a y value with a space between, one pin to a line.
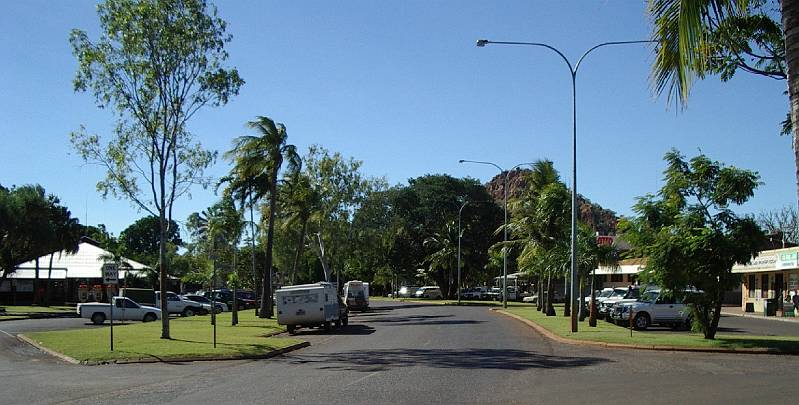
pixel 110 273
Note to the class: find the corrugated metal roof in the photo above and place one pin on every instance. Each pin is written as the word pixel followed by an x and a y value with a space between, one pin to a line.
pixel 86 263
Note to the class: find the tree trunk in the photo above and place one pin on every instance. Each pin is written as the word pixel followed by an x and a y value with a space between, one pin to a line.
pixel 36 283
pixel 234 317
pixel 592 316
pixel 163 286
pixel 550 309
pixel 713 326
pixel 47 287
pixel 790 15
pixel 539 305
pixel 255 274
pixel 298 253
pixel 567 305
pixel 267 307
pixel 582 314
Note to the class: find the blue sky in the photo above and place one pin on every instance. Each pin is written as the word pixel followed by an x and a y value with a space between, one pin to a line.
pixel 401 86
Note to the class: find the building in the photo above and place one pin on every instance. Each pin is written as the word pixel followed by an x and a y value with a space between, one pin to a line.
pixel 772 275
pixel 622 275
pixel 72 277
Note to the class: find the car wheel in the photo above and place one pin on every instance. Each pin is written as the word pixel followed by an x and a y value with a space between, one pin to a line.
pixel 98 318
pixel 188 311
pixel 641 321
pixel 338 323
pixel 328 326
pixel 149 317
pixel 345 321
pixel 291 329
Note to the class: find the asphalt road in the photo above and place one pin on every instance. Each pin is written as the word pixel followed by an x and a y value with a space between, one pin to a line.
pixel 405 353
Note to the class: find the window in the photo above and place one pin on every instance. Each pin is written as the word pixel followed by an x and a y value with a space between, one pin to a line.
pixel 130 304
pixel 751 286
pixel 764 286
pixel 616 278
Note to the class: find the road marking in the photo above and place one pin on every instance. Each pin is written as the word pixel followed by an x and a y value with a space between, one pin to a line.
pixel 7 334
pixel 362 378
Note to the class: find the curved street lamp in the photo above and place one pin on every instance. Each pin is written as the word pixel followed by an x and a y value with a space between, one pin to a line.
pixel 573 70
pixel 505 227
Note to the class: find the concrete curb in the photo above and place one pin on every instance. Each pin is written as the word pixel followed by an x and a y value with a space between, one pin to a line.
pixel 36 315
pixel 71 360
pixel 560 339
pixel 60 356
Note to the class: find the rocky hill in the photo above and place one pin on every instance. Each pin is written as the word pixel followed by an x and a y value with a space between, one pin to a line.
pixel 599 219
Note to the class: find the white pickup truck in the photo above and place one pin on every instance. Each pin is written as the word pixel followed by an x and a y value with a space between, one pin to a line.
pixel 125 309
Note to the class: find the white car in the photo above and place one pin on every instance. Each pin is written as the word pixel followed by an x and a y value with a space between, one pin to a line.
pixel 125 309
pixel 653 308
pixel 431 292
pixel 220 306
pixel 620 295
pixel 178 305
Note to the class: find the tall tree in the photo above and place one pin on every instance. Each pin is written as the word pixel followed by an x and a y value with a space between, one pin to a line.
pixel 261 157
pixel 690 235
pixel 157 63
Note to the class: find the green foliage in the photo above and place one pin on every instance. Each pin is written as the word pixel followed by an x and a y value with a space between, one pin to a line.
pixel 140 241
pixel 691 236
pixel 33 224
pixel 720 37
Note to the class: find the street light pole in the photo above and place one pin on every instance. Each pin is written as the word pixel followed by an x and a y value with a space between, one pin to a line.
pixel 505 227
pixel 459 249
pixel 573 70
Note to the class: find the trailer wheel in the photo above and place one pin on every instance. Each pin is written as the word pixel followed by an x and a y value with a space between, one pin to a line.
pixel 98 318
pixel 291 329
pixel 345 321
pixel 338 323
pixel 328 326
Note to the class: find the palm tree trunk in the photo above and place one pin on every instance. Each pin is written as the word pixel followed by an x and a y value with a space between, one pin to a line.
pixel 298 253
pixel 163 286
pixel 36 284
pixel 234 318
pixel 267 310
pixel 592 312
pixel 252 251
pixel 790 16
pixel 47 289
pixel 550 309
pixel 539 305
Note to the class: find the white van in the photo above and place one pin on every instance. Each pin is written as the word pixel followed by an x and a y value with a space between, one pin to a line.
pixel 310 305
pixel 357 295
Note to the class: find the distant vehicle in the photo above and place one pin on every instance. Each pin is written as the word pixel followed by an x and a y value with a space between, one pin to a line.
pixel 220 306
pixel 493 294
pixel 407 291
pixel 143 296
pixel 357 295
pixel 226 296
pixel 600 296
pixel 310 305
pixel 474 293
pixel 653 308
pixel 431 292
pixel 620 295
pixel 556 297
pixel 125 309
pixel 175 304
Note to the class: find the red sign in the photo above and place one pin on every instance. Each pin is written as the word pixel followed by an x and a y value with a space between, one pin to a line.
pixel 605 240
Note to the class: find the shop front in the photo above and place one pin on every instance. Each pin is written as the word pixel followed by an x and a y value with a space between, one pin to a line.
pixel 770 281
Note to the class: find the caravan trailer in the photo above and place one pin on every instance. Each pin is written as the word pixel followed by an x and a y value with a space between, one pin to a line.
pixel 310 305
pixel 357 295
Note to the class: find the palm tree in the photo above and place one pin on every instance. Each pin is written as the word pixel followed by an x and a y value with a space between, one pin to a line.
pixel 260 158
pixel 301 201
pixel 443 259
pixel 695 37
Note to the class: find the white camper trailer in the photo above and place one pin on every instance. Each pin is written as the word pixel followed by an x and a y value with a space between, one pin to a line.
pixel 357 295
pixel 310 305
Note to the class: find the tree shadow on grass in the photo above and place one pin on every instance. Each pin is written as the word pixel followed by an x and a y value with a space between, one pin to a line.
pixel 468 359
pixel 785 346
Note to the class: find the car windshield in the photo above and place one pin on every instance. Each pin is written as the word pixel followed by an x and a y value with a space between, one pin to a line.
pixel 649 296
pixel 619 292
pixel 605 294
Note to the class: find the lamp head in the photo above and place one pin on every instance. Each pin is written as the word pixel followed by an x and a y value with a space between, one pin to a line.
pixel 481 43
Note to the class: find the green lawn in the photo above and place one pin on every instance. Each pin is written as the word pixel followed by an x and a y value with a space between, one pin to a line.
pixel 191 337
pixel 610 333
pixel 30 309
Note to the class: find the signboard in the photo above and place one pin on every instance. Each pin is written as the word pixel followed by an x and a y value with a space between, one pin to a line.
pixel 787 260
pixel 110 274
pixel 605 240
pixel 793 282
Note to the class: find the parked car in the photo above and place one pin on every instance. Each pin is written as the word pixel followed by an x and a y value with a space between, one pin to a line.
pixel 220 306
pixel 474 293
pixel 430 292
pixel 493 294
pixel 175 304
pixel 226 296
pixel 125 309
pixel 601 295
pixel 357 295
pixel 407 291
pixel 654 307
pixel 557 296
pixel 620 295
pixel 142 296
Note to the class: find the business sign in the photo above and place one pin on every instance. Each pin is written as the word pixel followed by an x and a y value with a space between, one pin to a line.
pixel 110 273
pixel 605 240
pixel 787 260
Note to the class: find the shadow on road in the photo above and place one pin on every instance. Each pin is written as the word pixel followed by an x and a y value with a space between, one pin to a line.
pixel 349 330
pixel 498 359
pixel 423 320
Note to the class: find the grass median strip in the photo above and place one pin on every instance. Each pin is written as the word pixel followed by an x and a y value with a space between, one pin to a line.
pixel 191 338
pixel 609 333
